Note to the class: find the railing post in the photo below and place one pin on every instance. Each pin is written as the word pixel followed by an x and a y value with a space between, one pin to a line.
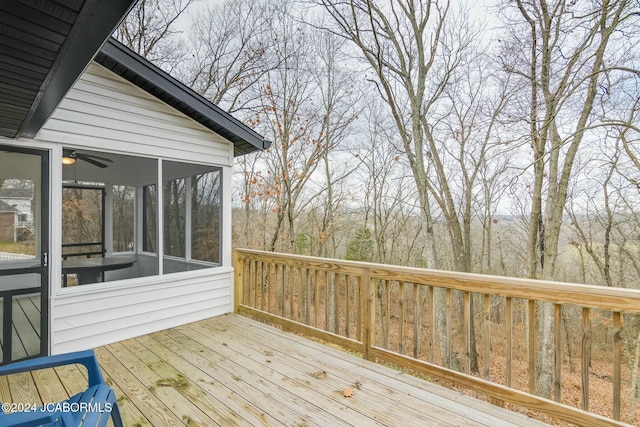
pixel 368 314
pixel 238 281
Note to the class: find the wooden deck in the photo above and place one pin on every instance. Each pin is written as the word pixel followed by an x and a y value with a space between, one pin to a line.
pixel 231 370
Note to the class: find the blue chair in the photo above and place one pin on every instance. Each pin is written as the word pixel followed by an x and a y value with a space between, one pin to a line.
pixel 92 407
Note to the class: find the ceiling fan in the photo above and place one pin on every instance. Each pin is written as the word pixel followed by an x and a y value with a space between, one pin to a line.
pixel 69 157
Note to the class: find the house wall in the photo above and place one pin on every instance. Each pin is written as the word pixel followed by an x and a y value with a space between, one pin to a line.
pixel 7 226
pixel 104 112
pixel 22 205
pixel 114 311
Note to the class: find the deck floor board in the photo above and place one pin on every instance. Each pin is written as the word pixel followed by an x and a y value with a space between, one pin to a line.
pixel 313 370
pixel 426 391
pixel 233 371
pixel 326 369
pixel 134 391
pixel 216 395
pixel 259 385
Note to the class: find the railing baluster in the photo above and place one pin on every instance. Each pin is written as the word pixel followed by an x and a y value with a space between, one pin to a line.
pixel 282 291
pixel 302 294
pixel 291 287
pixel 359 284
pixel 387 301
pixel 557 351
pixel 617 363
pixel 347 317
pixel 327 301
pixel 532 346
pixel 246 283
pixel 274 289
pixel 249 283
pixel 586 356
pixel 271 281
pixel 416 321
pixel 401 320
pixel 432 309
pixel 307 297
pixel 253 279
pixel 509 332
pixel 466 335
pixel 336 302
pixel 262 285
pixel 316 298
pixel 369 317
pixel 448 316
pixel 487 337
pixel 288 287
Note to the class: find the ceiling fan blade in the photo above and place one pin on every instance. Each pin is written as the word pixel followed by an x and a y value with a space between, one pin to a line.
pixel 90 160
pixel 104 159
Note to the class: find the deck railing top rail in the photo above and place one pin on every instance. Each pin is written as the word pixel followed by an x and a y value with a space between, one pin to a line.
pixel 600 297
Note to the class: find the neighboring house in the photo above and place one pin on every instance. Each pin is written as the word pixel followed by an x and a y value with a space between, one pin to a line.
pixel 21 199
pixel 104 122
pixel 8 223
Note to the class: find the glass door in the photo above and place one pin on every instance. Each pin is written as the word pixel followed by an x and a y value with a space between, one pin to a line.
pixel 24 247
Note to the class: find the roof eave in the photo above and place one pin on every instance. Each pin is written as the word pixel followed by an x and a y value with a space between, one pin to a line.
pixel 95 22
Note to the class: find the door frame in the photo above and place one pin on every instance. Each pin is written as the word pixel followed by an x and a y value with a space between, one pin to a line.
pixel 43 268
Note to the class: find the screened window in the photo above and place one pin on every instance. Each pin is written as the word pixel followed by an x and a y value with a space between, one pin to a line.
pixel 142 216
pixel 123 218
pixel 191 216
pixel 206 217
pixel 150 214
pixel 175 210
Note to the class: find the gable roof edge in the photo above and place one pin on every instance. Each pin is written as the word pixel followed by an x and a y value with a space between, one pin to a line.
pixel 121 60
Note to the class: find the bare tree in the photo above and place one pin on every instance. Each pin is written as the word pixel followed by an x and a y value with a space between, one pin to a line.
pixel 401 43
pixel 250 192
pixel 340 100
pixel 232 52
pixel 405 46
pixel 386 190
pixel 151 31
pixel 562 62
pixel 290 116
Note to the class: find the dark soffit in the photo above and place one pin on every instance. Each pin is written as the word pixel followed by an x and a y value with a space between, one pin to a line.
pixel 44 47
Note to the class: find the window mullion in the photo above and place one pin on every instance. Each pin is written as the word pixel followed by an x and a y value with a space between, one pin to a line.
pixel 187 218
pixel 160 218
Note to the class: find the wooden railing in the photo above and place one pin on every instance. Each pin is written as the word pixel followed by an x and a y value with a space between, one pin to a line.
pixel 427 321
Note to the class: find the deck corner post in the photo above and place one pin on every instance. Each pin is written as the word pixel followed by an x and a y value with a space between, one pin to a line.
pixel 238 281
pixel 369 314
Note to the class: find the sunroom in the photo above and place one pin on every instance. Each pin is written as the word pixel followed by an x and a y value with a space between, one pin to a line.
pixel 128 176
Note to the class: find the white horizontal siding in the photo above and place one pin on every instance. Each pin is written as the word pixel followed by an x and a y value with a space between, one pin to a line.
pixel 82 320
pixel 103 111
